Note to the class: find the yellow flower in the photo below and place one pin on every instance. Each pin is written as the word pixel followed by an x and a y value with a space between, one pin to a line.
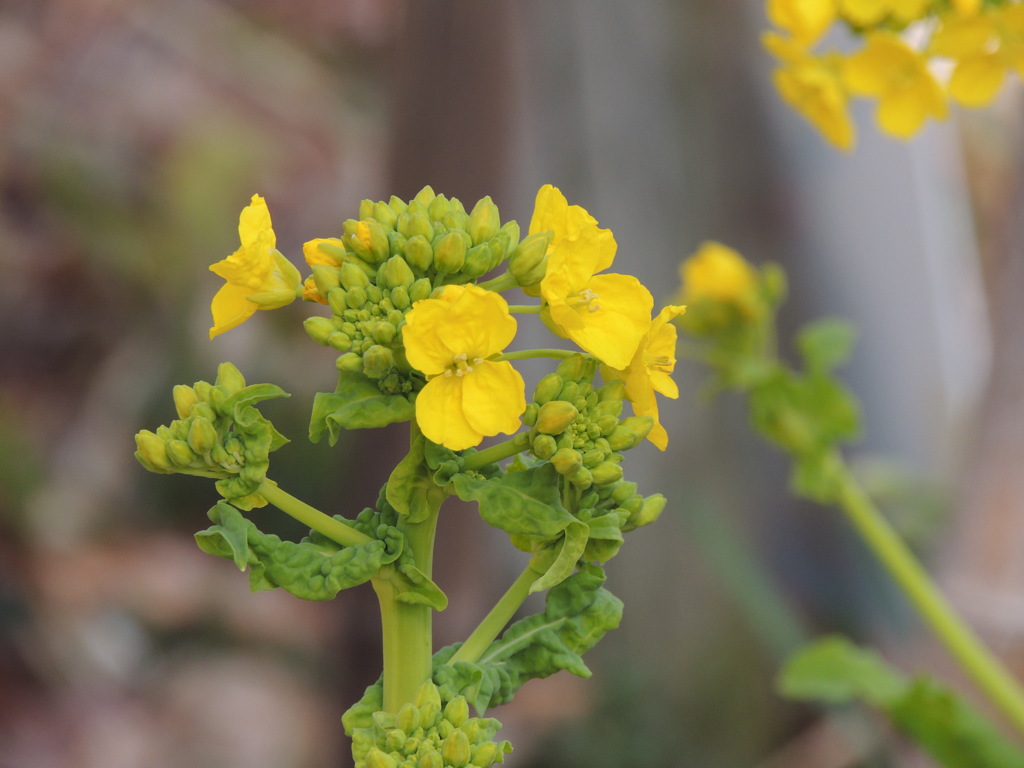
pixel 650 371
pixel 907 93
pixel 866 13
pixel 984 46
pixel 606 315
pixel 467 396
pixel 315 257
pixel 257 275
pixel 812 86
pixel 806 20
pixel 719 273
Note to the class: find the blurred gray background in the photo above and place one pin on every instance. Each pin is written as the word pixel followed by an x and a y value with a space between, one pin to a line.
pixel 132 132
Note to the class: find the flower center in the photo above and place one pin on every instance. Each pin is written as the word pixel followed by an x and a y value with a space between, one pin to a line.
pixel 460 365
pixel 585 298
pixel 662 363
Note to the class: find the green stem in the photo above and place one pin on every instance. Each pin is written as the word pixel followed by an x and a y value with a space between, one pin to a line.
pixel 525 354
pixel 407 627
pixel 493 453
pixel 500 283
pixel 330 527
pixel 524 309
pixel 500 615
pixel 963 644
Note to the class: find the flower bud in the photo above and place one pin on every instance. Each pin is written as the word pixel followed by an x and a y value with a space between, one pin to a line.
pixel 484 221
pixel 486 754
pixel 394 740
pixel 400 297
pixel 373 294
pixel 555 417
pixel 429 713
pixel 179 453
pixel 396 243
pixel 547 388
pixel 202 390
pixel 544 446
pixel 350 362
pixel 377 361
pixel 530 414
pixel 352 276
pixel 425 197
pixel 383 213
pixel 568 390
pixel 407 718
pixel 365 209
pixel 450 252
pixel 184 398
pixel 397 272
pixel 230 378
pixel 639 426
pixel 455 750
pixel 622 438
pixel 606 472
pixel 438 207
pixel 567 461
pixel 383 332
pixel 456 711
pixel 419 224
pixel 355 297
pixel 326 278
pixel 478 262
pixel 592 458
pixel 377 759
pixel 340 341
pixel 613 390
pixel 430 760
pixel 606 424
pixel 419 253
pixel 202 436
pixel 509 232
pixel 421 289
pixel 319 328
pixel 649 512
pixel 529 261
pixel 152 452
pixel 623 491
pixel 337 301
pixel 582 478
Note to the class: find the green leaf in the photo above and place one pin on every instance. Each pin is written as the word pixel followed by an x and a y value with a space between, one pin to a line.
pixel 227 538
pixel 835 671
pixel 605 535
pixel 826 344
pixel 356 403
pixel 566 555
pixel 411 489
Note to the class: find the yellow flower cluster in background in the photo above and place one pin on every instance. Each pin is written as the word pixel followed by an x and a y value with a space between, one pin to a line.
pixel 982 40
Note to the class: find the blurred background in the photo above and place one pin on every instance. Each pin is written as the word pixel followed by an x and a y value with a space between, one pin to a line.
pixel 132 132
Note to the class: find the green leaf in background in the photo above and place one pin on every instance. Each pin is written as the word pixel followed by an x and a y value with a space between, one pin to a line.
pixel 826 344
pixel 356 403
pixel 835 671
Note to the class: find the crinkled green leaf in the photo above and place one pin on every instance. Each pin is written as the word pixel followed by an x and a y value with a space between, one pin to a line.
pixel 228 537
pixel 528 504
pixel 835 671
pixel 414 587
pixel 360 714
pixel 826 344
pixel 605 535
pixel 356 403
pixel 411 489
pixel 577 614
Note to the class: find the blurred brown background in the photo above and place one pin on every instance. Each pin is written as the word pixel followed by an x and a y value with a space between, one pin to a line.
pixel 132 132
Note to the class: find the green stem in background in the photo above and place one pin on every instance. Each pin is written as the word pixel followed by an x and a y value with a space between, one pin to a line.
pixel 497 452
pixel 500 615
pixel 524 309
pixel 526 354
pixel 330 527
pixel 981 665
pixel 407 627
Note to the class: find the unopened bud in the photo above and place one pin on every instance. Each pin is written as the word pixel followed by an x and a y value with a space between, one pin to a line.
pixel 528 262
pixel 438 207
pixel 179 453
pixel 568 391
pixel 421 289
pixel 340 341
pixel 613 390
pixel 455 750
pixel 608 408
pixel 397 272
pixel 567 461
pixel 355 297
pixel 479 261
pixel 430 760
pixel 486 754
pixel 419 253
pixel 352 276
pixel 651 510
pixel 606 472
pixel 230 378
pixel 383 213
pixel 152 452
pixel 578 368
pixel 202 436
pixel 396 243
pixel 544 446
pixel 623 491
pixel 510 232
pixel 555 417
pixel 184 398
pixel 383 332
pixel 592 458
pixel 407 718
pixel 582 478
pixel 425 196
pixel 377 759
pixel 377 361
pixel 326 278
pixel 530 414
pixel 350 362
pixel 640 426
pixel 606 424
pixel 419 224
pixel 365 209
pixel 456 711
pixel 484 221
pixel 394 740
pixel 450 252
pixel 547 388
pixel 319 328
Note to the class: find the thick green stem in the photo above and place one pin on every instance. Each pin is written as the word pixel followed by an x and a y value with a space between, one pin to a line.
pixel 330 527
pixel 500 283
pixel 526 354
pixel 500 615
pixel 991 676
pixel 493 453
pixel 524 309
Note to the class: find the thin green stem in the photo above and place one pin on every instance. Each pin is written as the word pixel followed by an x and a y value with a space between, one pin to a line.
pixel 497 452
pixel 500 283
pixel 524 309
pixel 500 615
pixel 330 527
pixel 526 354
pixel 987 671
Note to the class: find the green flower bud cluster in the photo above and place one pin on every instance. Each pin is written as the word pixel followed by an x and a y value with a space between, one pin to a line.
pixel 425 734
pixel 395 254
pixel 218 433
pixel 578 428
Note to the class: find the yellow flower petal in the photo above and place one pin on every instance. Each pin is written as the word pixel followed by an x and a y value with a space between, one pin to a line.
pixel 620 317
pixel 806 20
pixel 716 272
pixel 230 308
pixel 493 398
pixel 976 81
pixel 552 212
pixel 440 415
